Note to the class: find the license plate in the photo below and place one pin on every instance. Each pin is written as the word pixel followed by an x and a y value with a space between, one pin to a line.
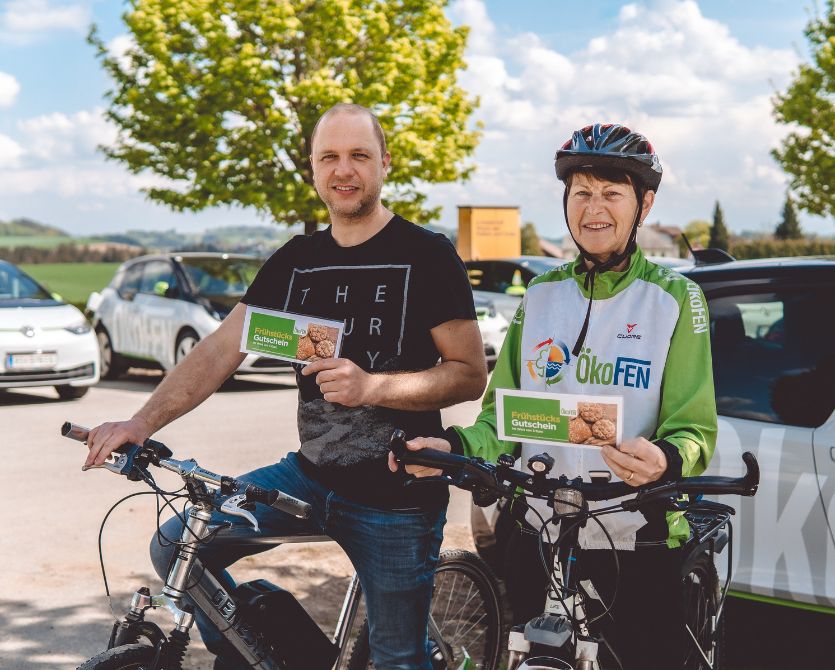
pixel 36 361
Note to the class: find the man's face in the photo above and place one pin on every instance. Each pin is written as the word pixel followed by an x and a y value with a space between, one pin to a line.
pixel 348 168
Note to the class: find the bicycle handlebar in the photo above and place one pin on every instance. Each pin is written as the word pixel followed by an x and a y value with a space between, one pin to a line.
pixel 475 474
pixel 134 456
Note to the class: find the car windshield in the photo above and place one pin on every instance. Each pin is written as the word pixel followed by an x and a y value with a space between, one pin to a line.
pixel 16 286
pixel 216 277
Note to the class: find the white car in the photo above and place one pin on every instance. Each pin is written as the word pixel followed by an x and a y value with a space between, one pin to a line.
pixel 43 340
pixel 771 326
pixel 493 327
pixel 157 308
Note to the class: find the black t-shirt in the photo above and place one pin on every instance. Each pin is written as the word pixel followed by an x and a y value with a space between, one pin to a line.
pixel 391 290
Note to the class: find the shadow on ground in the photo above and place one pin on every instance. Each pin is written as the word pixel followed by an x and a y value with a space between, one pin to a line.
pixel 18 398
pixel 761 636
pixel 41 638
pixel 144 381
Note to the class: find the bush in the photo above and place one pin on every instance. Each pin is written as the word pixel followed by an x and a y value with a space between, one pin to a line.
pixel 776 248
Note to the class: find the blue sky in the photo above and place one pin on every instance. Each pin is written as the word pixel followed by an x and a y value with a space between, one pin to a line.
pixel 695 77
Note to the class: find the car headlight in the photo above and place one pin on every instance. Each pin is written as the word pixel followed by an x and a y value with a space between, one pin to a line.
pixel 79 328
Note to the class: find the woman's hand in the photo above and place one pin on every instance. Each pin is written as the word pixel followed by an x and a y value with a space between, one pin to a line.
pixel 637 462
pixel 416 445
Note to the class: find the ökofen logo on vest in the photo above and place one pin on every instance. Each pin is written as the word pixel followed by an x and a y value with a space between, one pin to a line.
pixel 549 361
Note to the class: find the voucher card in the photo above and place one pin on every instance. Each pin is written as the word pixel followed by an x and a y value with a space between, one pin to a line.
pixel 551 418
pixel 290 337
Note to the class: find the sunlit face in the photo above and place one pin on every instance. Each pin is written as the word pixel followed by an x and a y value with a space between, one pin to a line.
pixel 601 214
pixel 348 168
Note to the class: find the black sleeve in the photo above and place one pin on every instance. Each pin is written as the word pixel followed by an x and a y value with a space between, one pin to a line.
pixel 446 293
pixel 269 288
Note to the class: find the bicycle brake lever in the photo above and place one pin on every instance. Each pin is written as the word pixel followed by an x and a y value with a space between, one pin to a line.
pixel 233 506
pixel 120 461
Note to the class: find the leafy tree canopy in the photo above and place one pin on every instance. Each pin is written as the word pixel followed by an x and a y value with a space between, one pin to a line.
pixel 219 98
pixel 808 153
pixel 530 240
pixel 698 234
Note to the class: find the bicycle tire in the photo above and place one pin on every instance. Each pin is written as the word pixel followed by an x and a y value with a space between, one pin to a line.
pixel 125 657
pixel 702 594
pixel 464 586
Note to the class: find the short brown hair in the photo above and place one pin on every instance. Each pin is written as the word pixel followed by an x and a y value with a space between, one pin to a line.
pixel 353 108
pixel 600 174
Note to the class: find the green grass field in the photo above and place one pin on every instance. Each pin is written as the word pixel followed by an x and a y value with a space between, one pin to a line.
pixel 74 281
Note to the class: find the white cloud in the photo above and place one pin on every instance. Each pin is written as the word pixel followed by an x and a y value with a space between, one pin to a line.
pixel 22 21
pixel 9 88
pixel 58 136
pixel 10 152
pixel 56 154
pixel 683 79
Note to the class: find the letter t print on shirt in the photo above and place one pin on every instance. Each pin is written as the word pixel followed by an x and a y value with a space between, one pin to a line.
pixel 371 299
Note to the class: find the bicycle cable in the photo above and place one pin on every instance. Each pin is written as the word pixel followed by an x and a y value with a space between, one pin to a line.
pixel 101 551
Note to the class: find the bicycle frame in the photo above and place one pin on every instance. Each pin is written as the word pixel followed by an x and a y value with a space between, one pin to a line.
pixel 565 606
pixel 219 605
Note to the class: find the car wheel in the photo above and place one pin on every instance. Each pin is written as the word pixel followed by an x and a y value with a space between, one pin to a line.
pixel 71 392
pixel 110 363
pixel 187 340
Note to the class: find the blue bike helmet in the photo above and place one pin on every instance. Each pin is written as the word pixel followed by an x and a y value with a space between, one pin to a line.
pixel 610 146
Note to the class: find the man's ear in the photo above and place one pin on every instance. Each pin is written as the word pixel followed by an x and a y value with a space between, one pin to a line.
pixel 386 162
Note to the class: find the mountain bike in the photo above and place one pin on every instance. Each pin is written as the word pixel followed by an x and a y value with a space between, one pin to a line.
pixel 561 636
pixel 267 626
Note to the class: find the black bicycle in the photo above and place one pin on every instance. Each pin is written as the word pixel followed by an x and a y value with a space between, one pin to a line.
pixel 266 625
pixel 560 637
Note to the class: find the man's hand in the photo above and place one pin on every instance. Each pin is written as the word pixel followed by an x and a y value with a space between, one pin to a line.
pixel 103 439
pixel 638 461
pixel 342 381
pixel 416 445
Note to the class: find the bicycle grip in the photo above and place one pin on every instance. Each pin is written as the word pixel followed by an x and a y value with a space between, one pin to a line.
pixel 432 458
pixel 278 500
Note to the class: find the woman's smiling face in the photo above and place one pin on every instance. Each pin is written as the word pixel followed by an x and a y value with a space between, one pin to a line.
pixel 601 214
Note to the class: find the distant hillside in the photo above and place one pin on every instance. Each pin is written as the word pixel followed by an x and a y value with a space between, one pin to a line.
pixel 27 227
pixel 251 239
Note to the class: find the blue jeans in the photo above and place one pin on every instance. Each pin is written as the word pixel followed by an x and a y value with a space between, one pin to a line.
pixel 393 552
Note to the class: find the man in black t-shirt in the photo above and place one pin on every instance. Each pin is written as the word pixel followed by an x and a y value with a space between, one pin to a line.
pixel 405 299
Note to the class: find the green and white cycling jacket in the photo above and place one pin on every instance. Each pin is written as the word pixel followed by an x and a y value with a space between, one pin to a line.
pixel 648 341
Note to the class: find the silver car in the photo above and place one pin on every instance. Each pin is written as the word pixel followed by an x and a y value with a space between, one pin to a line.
pixel 157 308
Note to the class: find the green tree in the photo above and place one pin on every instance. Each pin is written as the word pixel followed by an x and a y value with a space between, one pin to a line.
pixel 807 153
pixel 789 227
pixel 219 98
pixel 698 234
pixel 530 240
pixel 719 237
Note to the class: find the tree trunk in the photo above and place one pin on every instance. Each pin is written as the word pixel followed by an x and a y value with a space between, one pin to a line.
pixel 309 227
